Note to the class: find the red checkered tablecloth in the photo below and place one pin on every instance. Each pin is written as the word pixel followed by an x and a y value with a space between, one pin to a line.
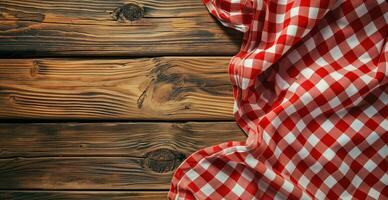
pixel 310 88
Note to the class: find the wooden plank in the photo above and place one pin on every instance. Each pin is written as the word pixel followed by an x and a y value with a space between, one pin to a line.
pixel 165 88
pixel 112 139
pixel 80 173
pixel 94 27
pixel 82 195
pixel 102 156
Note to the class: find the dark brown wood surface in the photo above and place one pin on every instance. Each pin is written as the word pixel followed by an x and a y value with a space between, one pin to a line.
pixel 165 88
pixel 81 195
pixel 81 173
pixel 102 156
pixel 136 139
pixel 116 96
pixel 95 28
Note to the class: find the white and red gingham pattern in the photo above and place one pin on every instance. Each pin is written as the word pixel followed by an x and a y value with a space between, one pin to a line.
pixel 311 90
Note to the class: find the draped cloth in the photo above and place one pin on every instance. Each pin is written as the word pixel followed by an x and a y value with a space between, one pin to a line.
pixel 310 90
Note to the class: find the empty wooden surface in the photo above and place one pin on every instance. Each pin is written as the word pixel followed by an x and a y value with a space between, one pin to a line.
pixel 165 88
pixel 102 156
pixel 80 173
pixel 73 27
pixel 81 195
pixel 85 61
pixel 112 139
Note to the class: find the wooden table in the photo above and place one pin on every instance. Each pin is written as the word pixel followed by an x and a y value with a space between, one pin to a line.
pixel 97 104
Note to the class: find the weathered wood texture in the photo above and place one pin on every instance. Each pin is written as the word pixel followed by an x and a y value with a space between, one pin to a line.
pixel 96 27
pixel 81 195
pixel 102 156
pixel 109 160
pixel 165 88
pixel 80 173
pixel 111 139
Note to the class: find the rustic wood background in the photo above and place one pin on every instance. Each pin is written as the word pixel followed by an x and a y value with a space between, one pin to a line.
pixel 96 106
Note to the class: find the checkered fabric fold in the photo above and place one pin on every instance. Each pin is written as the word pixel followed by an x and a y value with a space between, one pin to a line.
pixel 310 85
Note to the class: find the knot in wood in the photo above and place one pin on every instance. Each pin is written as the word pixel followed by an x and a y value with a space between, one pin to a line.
pixel 130 11
pixel 34 69
pixel 163 160
pixel 12 100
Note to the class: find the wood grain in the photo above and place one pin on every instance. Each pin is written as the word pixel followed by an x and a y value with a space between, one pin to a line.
pixel 82 195
pixel 90 27
pixel 164 88
pixel 102 156
pixel 112 139
pixel 80 173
